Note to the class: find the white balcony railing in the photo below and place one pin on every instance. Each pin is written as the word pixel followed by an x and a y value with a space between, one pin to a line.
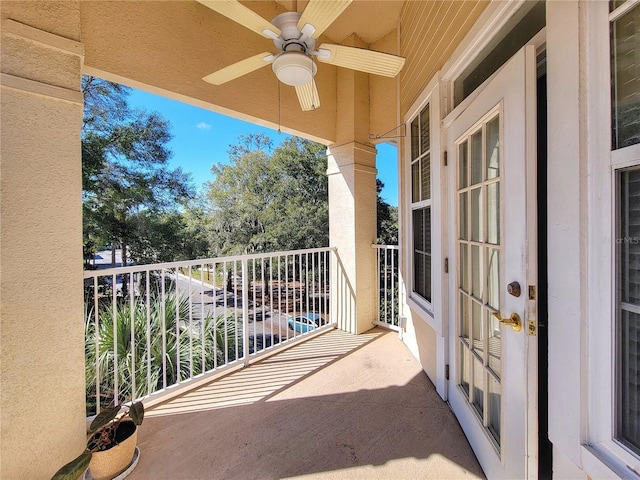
pixel 149 328
pixel 388 286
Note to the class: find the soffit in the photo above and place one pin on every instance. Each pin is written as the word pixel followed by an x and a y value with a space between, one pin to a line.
pixel 167 47
pixel 369 20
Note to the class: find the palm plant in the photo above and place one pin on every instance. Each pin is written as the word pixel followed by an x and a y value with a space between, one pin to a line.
pixel 145 347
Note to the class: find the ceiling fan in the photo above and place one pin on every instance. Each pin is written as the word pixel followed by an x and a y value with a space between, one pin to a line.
pixel 294 35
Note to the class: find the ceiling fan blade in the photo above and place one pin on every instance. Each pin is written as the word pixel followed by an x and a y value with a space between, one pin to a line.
pixel 321 14
pixel 308 96
pixel 240 68
pixel 361 59
pixel 237 12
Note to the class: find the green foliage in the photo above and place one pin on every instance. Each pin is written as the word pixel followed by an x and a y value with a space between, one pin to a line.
pixel 277 199
pixel 104 417
pixel 136 412
pixel 126 182
pixel 267 201
pixel 389 306
pixel 140 370
pixel 103 437
pixel 75 468
pixel 387 217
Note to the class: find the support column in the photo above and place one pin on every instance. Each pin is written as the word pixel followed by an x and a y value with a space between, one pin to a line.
pixel 352 230
pixel 352 202
pixel 42 404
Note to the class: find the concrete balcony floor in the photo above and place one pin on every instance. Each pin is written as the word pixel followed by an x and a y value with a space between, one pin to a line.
pixel 337 406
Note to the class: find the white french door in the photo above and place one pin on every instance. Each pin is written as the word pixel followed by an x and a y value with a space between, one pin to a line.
pixel 492 190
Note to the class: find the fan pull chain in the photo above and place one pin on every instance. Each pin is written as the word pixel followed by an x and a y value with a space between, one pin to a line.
pixel 278 81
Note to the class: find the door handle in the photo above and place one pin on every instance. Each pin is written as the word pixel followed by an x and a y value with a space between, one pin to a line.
pixel 514 321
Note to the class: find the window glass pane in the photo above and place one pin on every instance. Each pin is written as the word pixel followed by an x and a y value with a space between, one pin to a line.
pixel 463 165
pixel 478 386
pixel 415 182
pixel 464 267
pixel 465 367
pixel 625 82
pixel 422 252
pixel 476 157
pixel 628 335
pixel 475 215
pixel 493 213
pixel 495 344
pixel 629 391
pixel 495 392
pixel 476 272
pixel 493 148
pixel 415 139
pixel 515 33
pixel 427 230
pixel 418 230
pixel 424 130
pixel 426 177
pixel 493 278
pixel 464 316
pixel 426 293
pixel 477 329
pixel 629 237
pixel 418 269
pixel 464 216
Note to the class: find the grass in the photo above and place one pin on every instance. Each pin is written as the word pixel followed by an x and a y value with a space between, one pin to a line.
pixel 209 276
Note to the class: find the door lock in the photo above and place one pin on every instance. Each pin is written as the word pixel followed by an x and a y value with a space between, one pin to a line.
pixel 514 289
pixel 514 321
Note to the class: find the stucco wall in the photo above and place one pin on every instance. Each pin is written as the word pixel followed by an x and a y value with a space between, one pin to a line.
pixel 42 405
pixel 420 338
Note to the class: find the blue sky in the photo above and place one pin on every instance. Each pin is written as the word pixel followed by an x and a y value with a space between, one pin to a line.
pixel 202 138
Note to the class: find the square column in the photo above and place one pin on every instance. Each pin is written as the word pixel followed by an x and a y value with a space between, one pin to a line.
pixel 352 230
pixel 42 401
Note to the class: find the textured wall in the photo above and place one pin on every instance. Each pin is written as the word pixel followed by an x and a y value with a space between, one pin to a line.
pixel 42 335
pixel 352 226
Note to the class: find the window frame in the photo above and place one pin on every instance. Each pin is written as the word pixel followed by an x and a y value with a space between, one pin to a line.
pixel 602 452
pixel 430 312
pixel 421 204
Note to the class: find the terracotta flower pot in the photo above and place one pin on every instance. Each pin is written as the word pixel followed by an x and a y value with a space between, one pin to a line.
pixel 108 464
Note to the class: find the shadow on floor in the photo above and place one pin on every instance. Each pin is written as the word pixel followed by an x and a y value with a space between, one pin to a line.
pixel 337 406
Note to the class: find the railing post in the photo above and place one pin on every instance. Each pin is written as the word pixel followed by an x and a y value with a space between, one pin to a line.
pixel 245 310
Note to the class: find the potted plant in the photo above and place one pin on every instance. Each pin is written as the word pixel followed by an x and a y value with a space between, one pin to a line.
pixel 111 444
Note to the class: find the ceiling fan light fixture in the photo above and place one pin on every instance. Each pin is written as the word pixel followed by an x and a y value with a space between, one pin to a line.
pixel 294 68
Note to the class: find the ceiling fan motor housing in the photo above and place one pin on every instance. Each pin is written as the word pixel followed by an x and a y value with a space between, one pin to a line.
pixel 293 66
pixel 291 37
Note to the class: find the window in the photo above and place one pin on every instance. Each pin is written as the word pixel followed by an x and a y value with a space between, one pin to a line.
pixel 520 28
pixel 625 77
pixel 612 445
pixel 628 331
pixel 421 203
pixel 625 132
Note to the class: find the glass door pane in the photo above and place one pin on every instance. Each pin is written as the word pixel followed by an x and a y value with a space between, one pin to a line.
pixel 479 272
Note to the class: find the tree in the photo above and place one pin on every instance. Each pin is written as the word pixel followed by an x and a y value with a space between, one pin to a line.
pixel 387 216
pixel 127 184
pixel 268 200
